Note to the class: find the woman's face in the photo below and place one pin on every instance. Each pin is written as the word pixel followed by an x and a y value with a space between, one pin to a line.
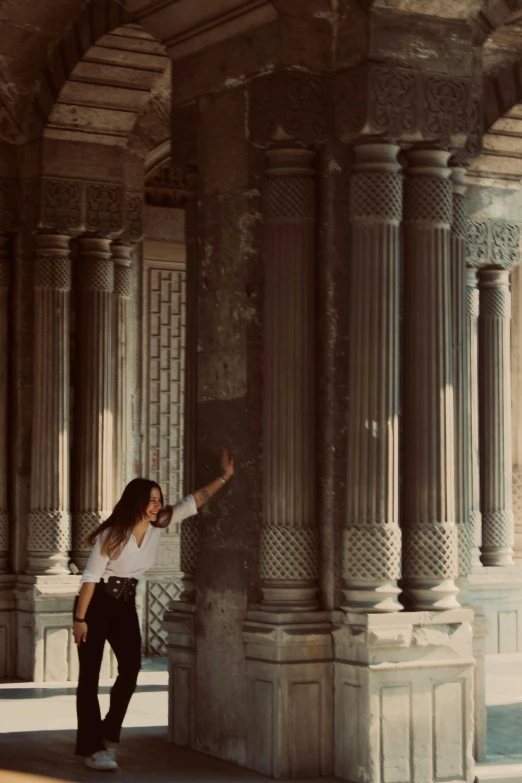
pixel 154 506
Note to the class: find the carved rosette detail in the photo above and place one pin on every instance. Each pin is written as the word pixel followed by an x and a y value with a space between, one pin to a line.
pixel 296 103
pixel 104 209
pixel 133 217
pixel 61 205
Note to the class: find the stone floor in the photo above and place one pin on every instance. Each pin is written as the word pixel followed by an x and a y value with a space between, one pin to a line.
pixel 37 729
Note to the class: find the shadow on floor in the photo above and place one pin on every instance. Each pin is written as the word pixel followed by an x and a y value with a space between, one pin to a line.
pixel 145 756
pixel 505 731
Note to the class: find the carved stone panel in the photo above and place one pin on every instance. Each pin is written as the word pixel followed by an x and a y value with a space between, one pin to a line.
pixel 164 372
pixel 404 104
pixel 296 103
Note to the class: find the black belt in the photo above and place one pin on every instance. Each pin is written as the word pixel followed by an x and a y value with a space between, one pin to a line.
pixel 120 587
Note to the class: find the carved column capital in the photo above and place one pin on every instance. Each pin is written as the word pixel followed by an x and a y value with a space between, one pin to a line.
pixel 122 258
pixel 290 105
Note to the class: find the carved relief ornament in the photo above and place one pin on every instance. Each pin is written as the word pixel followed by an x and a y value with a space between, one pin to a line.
pixel 292 102
pixel 73 207
pixel 493 243
pixel 404 105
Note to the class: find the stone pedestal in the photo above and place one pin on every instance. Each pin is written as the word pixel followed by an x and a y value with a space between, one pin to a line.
pixel 49 540
pixel 179 624
pixel 46 648
pixel 404 697
pixel 93 441
pixel 290 693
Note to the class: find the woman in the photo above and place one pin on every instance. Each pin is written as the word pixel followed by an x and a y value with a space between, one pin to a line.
pixel 124 547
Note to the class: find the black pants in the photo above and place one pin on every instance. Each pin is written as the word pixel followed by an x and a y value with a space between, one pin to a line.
pixel 116 621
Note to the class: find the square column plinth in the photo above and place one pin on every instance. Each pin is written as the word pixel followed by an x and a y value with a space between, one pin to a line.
pixel 46 651
pixel 404 697
pixel 290 693
pixel 178 623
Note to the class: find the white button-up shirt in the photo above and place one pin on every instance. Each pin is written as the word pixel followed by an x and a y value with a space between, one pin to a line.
pixel 133 560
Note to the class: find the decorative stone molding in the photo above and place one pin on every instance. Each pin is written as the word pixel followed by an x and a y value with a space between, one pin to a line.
pixel 493 243
pixel 289 537
pixel 430 550
pixel 495 416
pixel 49 539
pixel 292 102
pixel 4 419
pixel 372 537
pixel 93 479
pixel 399 103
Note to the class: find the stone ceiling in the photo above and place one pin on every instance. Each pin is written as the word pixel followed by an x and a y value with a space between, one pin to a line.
pixel 44 44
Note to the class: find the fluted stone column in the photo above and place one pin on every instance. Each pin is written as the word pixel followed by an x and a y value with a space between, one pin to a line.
pixel 495 417
pixel 472 314
pixel 289 538
pixel 372 538
pixel 49 539
pixel 123 276
pixel 93 442
pixel 189 528
pixel 4 354
pixel 461 375
pixel 430 563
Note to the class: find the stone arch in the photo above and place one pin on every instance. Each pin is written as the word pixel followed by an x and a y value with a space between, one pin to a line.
pixel 99 18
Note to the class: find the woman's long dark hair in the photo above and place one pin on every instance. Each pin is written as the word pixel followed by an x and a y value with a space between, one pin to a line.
pixel 130 509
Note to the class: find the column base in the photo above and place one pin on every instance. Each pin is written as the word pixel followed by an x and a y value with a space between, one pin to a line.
pixel 179 625
pixel 498 557
pixel 404 697
pixel 366 596
pixel 427 595
pixel 290 692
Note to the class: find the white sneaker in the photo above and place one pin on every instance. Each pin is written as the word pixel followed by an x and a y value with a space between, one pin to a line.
pixel 112 749
pixel 101 760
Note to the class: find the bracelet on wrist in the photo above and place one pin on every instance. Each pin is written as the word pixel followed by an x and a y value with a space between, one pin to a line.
pixel 79 619
pixel 223 479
